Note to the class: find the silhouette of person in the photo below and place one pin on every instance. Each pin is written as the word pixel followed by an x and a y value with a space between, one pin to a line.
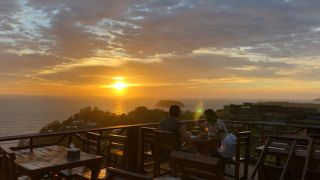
pixel 212 123
pixel 172 124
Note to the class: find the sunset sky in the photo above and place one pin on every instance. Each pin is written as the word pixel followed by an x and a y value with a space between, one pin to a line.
pixel 161 48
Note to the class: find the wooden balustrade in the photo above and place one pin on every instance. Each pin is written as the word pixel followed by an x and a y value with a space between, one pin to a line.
pixel 259 132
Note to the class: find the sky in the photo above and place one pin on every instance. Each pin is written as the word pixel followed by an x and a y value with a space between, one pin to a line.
pixel 161 48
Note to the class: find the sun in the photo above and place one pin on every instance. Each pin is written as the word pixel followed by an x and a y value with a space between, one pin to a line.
pixel 119 86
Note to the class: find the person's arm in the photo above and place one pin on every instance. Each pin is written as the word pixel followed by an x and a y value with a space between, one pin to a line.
pixel 185 135
pixel 202 124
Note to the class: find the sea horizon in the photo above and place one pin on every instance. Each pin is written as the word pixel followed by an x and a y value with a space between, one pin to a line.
pixel 24 114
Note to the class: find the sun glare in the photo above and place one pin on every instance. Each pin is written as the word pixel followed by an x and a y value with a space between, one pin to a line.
pixel 119 86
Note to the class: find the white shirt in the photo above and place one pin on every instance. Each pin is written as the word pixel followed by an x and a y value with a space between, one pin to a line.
pixel 228 146
pixel 220 125
pixel 214 128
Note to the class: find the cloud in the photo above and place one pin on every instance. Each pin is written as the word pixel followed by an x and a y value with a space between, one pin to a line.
pixel 171 70
pixel 163 42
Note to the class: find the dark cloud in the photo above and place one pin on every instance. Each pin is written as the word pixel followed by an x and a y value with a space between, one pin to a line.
pixel 216 24
pixel 12 63
pixel 178 27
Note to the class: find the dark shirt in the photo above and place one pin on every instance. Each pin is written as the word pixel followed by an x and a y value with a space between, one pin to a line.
pixel 172 125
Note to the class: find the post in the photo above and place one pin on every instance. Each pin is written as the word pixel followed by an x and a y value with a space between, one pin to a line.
pixel 31 144
pixel 70 139
pixel 133 149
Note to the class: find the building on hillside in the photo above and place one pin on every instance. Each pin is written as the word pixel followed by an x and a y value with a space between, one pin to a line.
pixel 267 113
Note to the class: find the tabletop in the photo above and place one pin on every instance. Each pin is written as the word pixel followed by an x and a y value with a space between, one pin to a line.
pixel 52 158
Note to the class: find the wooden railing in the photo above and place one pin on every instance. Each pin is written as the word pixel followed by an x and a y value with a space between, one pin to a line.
pixel 259 133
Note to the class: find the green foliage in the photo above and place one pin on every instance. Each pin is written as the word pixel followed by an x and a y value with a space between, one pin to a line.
pixel 89 117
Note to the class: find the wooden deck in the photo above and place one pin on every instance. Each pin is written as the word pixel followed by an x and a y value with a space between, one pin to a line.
pixel 261 131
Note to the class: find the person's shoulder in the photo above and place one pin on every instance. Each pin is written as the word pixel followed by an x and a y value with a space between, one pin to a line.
pixel 232 136
pixel 164 120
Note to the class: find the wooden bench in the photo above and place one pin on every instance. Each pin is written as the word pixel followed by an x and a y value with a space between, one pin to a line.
pixel 193 166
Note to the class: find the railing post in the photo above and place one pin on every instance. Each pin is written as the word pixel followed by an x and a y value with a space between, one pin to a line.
pixel 70 139
pixel 31 144
pixel 133 149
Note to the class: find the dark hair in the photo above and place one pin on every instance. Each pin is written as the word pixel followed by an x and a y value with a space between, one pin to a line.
pixel 209 113
pixel 174 111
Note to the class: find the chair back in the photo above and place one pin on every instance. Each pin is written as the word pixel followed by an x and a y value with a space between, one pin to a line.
pixel 165 142
pixel 117 146
pixel 283 147
pixel 194 166
pixel 8 171
pixel 242 152
pixel 147 139
pixel 311 168
pixel 114 174
pixel 93 143
pixel 147 135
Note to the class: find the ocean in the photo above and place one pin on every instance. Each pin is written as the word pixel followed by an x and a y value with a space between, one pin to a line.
pixel 28 114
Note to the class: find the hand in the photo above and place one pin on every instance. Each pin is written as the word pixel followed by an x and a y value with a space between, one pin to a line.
pixel 202 136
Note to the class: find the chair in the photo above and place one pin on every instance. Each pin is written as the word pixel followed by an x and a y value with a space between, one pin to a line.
pixel 117 146
pixel 146 149
pixel 275 146
pixel 8 171
pixel 92 145
pixel 311 168
pixel 164 143
pixel 194 166
pixel 114 174
pixel 242 146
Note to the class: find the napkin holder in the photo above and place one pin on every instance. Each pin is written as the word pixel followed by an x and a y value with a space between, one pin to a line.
pixel 73 154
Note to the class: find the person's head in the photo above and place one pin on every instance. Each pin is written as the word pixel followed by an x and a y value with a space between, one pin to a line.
pixel 221 133
pixel 174 111
pixel 210 115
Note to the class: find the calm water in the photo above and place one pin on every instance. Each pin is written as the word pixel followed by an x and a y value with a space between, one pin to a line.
pixel 28 114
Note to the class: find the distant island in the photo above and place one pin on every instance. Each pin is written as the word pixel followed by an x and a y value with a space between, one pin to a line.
pixel 168 103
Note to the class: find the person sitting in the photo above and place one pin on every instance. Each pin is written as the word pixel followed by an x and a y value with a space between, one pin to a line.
pixel 212 123
pixel 172 124
pixel 228 145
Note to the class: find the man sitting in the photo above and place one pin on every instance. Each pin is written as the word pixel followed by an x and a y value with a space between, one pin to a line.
pixel 228 145
pixel 172 124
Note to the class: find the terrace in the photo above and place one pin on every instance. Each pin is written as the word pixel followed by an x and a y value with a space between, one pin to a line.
pixel 133 146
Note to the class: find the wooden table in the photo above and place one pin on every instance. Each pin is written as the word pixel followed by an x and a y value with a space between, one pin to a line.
pixel 280 151
pixel 53 159
pixel 207 146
